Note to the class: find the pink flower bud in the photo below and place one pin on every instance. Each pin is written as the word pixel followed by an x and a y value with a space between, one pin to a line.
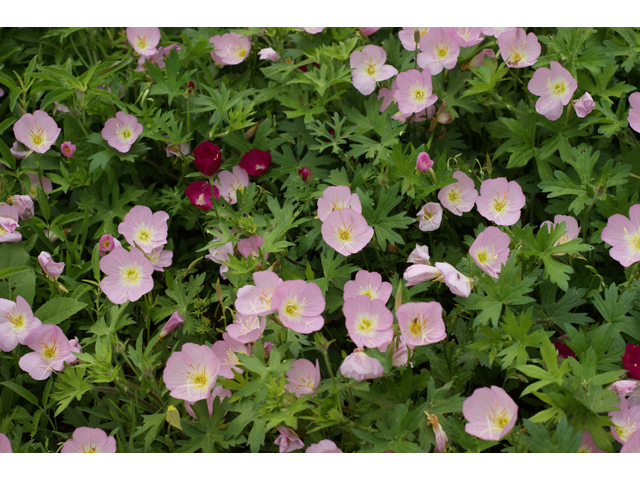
pixel 174 322
pixel 584 106
pixel 424 163
pixel 52 269
pixel 305 173
pixel 269 54
pixel 108 243
pixel 67 149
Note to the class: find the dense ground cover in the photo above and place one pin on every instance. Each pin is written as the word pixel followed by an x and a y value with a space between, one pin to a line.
pixel 307 239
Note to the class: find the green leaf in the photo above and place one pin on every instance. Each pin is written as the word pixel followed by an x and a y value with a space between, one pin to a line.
pixel 23 392
pixel 12 255
pixel 383 224
pixel 58 309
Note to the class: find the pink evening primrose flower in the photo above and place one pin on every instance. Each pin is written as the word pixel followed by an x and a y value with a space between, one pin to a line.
pixel 430 217
pixel 632 445
pixel 361 366
pixel 323 446
pixel 25 206
pixel 257 300
pixel 366 31
pixel 128 275
pixel 368 68
pixel 177 150
pixel 191 373
pixel 37 132
pixel 423 162
pixel 554 86
pixel 337 198
pixel 496 31
pixel 478 60
pixel 174 322
pixel 571 228
pixel 421 323
pixel 249 247
pixel 35 181
pixel 157 58
pixel 369 284
pixel 218 391
pixel 228 183
pixel 518 49
pixel 8 225
pixel 50 346
pixel 303 378
pixel 108 243
pixel 623 387
pixel 312 30
pixel 18 151
pixel 144 40
pixel 439 49
pixel 144 229
pixel 226 350
pixel 67 149
pixel 220 254
pixel 491 413
pixel 300 305
pixel 587 445
pixel 5 443
pixel 491 250
pixel 89 440
pixel 230 48
pixel 288 441
pixel 459 197
pixel 160 258
pixel 417 274
pixel 634 112
pixel 414 91
pixel 346 231
pixel 625 422
pixel 51 269
pixel 408 36
pixel 500 201
pixel 468 36
pixel 122 131
pixel 623 234
pixel 400 352
pixel 584 105
pixel 419 255
pixel 16 322
pixel 269 54
pixel 368 321
pixel 457 282
pixel 247 328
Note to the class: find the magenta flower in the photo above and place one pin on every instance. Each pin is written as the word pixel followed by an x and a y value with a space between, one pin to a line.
pixel 423 162
pixel 490 250
pixel 51 269
pixel 226 350
pixel 35 181
pixel 420 255
pixel 174 322
pixel 468 36
pixel 478 60
pixel 67 149
pixel 496 31
pixel 304 173
pixel 458 197
pixel 288 441
pixel 500 201
pixel 491 413
pixel 5 443
pixel 228 183
pixel 361 366
pixel 346 231
pixel 554 86
pixel 623 234
pixel 256 300
pixel 518 49
pixel 89 440
pixel 323 446
pixel 632 445
pixel 408 39
pixel 571 228
pixel 300 305
pixel 250 246
pixel 623 387
pixel 16 322
pixel 303 378
pixel 368 321
pixel 199 194
pixel 160 258
pixel 414 92
pixel 439 49
pixel 421 323
pixel 25 206
pixel 37 132
pixel 457 282
pixel 218 391
pixel 108 243
pixel 50 346
pixel 128 275
pixel 144 229
pixel 337 198
pixel 366 31
pixel 122 131
pixel 584 106
pixel 230 48
pixel 247 328
pixel 634 112
pixel 367 68
pixel 631 360
pixel 269 54
pixel 144 40
pixel 416 274
pixel 369 284
pixel 255 162
pixel 625 422
pixel 587 445
pixel 430 217
pixel 191 373
pixel 207 158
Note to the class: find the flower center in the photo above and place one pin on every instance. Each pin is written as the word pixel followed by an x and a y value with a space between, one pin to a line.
pixel 516 57
pixel 634 240
pixel 131 275
pixel 241 52
pixel 442 50
pixel 368 292
pixel 345 233
pixel 499 418
pixel 371 67
pixel 482 256
pixel 91 448
pixel 366 324
pixel 625 431
pixel 124 133
pixel 37 137
pixel 198 378
pixel 142 42
pixel 304 382
pixel 17 320
pixel 426 213
pixel 454 195
pixel 201 200
pixel 499 205
pixel 415 326
pixel 418 94
pixel 50 351
pixel 558 88
pixel 292 308
pixel 143 234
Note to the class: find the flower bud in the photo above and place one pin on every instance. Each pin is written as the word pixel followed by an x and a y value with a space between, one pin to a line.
pixel 424 162
pixel 52 269
pixel 174 322
pixel 305 173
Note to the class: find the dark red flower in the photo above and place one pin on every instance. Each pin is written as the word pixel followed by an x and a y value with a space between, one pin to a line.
pixel 199 194
pixel 631 360
pixel 305 68
pixel 256 162
pixel 207 158
pixel 304 172
pixel 563 350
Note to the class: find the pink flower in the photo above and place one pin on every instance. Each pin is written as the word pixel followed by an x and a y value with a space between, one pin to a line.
pixel 439 49
pixel 67 149
pixel 312 30
pixel 496 31
pixel 174 322
pixel 368 321
pixel 400 352
pixel 458 197
pixel 90 440
pixel 468 36
pixel 16 322
pixel 230 48
pixel 25 206
pixel 144 40
pixel 634 112
pixel 478 60
pixel 414 92
pixel 587 445
pixel 554 86
pixel 421 323
pixel 61 108
pixel 490 250
pixel 18 151
pixel 51 269
pixel 121 132
pixel 571 228
pixel 145 229
pixel 8 223
pixel 207 158
pixel 128 275
pixel 632 445
pixel 369 284
pixel 408 39
pixel 257 300
pixel 518 49
pixel 256 162
pixel 323 446
pixel 35 181
pixel 366 31
pixel 368 68
pixel 300 305
pixel 179 150
pixel 157 58
pixel 457 282
pixel 304 173
pixel 288 441
pixel 491 413
pixel 500 201
pixel 228 183
pixel 269 54
pixel 5 443
pixel 74 346
pixel 37 132
pixel 218 391
pixel 420 255
pixel 430 217
pixel 199 194
pixel 247 328
pixel 346 231
pixel 623 234
pixel 584 106
pixel 249 247
pixel 50 346
pixel 220 254
pixel 226 350
pixel 160 258
pixel 416 274
pixel 625 422
pixel 108 243
pixel 191 373
pixel 361 366
pixel 623 387
pixel 423 162
pixel 303 378
pixel 337 198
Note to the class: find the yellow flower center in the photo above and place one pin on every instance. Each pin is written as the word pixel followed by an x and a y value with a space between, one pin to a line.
pixel 558 88
pixel 292 308
pixel 499 204
pixel 625 430
pixel 304 382
pixel 634 240
pixel 515 58
pixel 454 195
pixel 124 133
pixel 49 351
pixel 426 213
pixel 143 234
pixel 131 275
pixel 198 378
pixel 371 67
pixel 241 52
pixel 2 231
pixel 418 94
pixel 366 324
pixel 37 136
pixel 482 256
pixel 18 320
pixel 415 327
pixel 142 42
pixel 345 233
pixel 91 448
pixel 368 292
pixel 499 418
pixel 442 50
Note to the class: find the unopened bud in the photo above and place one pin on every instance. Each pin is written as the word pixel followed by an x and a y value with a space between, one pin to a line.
pixel 173 417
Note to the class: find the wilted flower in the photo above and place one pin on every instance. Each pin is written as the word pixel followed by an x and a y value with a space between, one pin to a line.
pixel 490 250
pixel 414 91
pixel 16 322
pixel 177 150
pixel 491 413
pixel 9 215
pixel 459 197
pixel 421 323
pixel 323 446
pixel 18 151
pixel 584 106
pixel 368 321
pixel 457 282
pixel 361 366
pixel 226 350
pixel 500 201
pixel 52 269
pixel 144 40
pixel 631 360
pixel 108 243
pixel 230 48
pixel 416 274
pixel 228 183
pixel 256 300
pixel 430 217
pixel 304 377
pixel 288 441
pixel 420 255
pixel 67 149
pixel 191 373
pixel 37 132
pixel 312 30
pixel 300 305
pixel 249 247
pixel 269 54
pixel 518 49
pixel 441 437
pixel 496 31
pixel 122 131
pixel 128 275
pixel 346 231
pixel 89 440
pixel 25 206
pixel 554 86
pixel 174 322
pixel 144 229
pixel 35 181
pixel 625 422
pixel 368 68
pixel 439 48
pixel 623 234
pixel 337 198
pixel 50 346
pixel 369 284
pixel 634 112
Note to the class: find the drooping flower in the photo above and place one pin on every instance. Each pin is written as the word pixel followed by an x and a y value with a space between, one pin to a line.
pixel 50 346
pixel 5 443
pixel 323 446
pixel 439 49
pixel 37 132
pixel 108 243
pixel 288 441
pixel 218 391
pixel 457 282
pixel 478 60
pixel 18 151
pixel 584 105
pixel 269 54
pixel 303 378
pixel 230 48
pixel 174 322
pixel 421 323
pixel 35 181
pixel 207 158
pixel 416 274
pixel 368 321
pixel 226 350
pixel 16 322
pixel 177 150
pixel 468 36
pixel 228 183
pixel 430 217
pixel 128 275
pixel 256 162
pixel 337 198
pixel 25 206
pixel 441 437
pixel 257 300
pixel 51 269
pixel 490 250
pixel 160 258
pixel 632 445
pixel 554 86
pixel 408 36
pixel 623 234
pixel 424 162
pixel 89 440
pixel 144 40
pixel 491 413
pixel 199 194
pixel 500 201
pixel 68 149
pixel 623 387
pixel 625 422
pixel 304 173
pixel 300 305
pixel 496 31
pixel 518 49
pixel 144 229
pixel 459 197
pixel 414 91
pixel 366 31
pixel 571 228
pixel 368 68
pixel 247 328
pixel 631 360
pixel 634 112
pixel 369 284
pixel 587 444
pixel 419 255
pixel 122 131
pixel 191 373
pixel 361 366
pixel 346 231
